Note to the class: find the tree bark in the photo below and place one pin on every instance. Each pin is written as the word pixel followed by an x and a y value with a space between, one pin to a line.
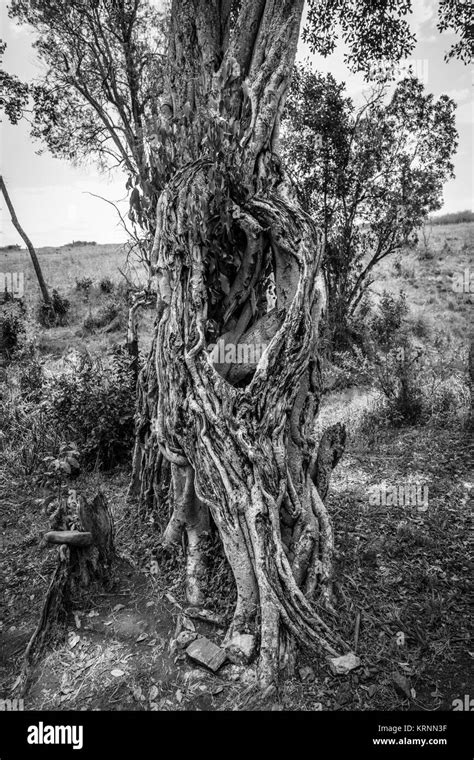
pixel 240 444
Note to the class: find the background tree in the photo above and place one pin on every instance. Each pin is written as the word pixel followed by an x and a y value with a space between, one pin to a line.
pixel 13 101
pixel 369 176
pixel 95 100
pixel 13 92
pixel 458 16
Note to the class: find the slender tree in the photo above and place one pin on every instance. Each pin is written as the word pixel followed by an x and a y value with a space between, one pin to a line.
pixel 28 243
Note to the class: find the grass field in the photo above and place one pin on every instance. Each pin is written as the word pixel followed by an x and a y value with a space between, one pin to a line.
pixel 425 273
pixel 63 268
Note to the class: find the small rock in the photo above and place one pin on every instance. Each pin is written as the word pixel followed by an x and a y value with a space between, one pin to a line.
pixel 402 684
pixel 241 648
pixel 344 664
pixel 306 673
pixel 205 652
pixel 188 624
pixel 185 638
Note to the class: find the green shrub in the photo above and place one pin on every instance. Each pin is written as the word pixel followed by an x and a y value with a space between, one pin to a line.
pixel 94 405
pixel 12 320
pixel 106 285
pixel 104 316
pixel 28 372
pixel 28 435
pixel 397 374
pixel 84 284
pixel 54 314
pixel 89 404
pixel 419 385
pixel 386 322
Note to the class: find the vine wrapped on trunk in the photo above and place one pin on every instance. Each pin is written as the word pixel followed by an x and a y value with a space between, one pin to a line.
pixel 227 223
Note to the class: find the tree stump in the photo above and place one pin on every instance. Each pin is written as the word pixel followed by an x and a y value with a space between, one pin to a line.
pixel 84 532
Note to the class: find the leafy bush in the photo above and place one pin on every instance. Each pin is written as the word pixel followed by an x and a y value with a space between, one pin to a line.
pixel 418 382
pixel 373 331
pixel 54 314
pixel 57 469
pixel 387 321
pixel 27 435
pixel 94 405
pixel 106 285
pixel 84 284
pixel 12 314
pixel 397 375
pixel 29 373
pixel 105 315
pixel 90 404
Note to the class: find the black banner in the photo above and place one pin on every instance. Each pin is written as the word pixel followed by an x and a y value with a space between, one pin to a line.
pixel 138 734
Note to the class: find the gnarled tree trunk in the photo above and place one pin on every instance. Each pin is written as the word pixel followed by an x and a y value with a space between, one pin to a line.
pixel 239 437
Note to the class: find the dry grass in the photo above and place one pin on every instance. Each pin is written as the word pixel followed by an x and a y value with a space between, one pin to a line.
pixel 63 266
pixel 426 273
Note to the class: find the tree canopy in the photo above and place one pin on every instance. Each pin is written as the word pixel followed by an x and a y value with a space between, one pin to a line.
pixel 13 93
pixel 368 175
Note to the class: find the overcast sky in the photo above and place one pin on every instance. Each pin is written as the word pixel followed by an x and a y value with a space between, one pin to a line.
pixel 51 196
